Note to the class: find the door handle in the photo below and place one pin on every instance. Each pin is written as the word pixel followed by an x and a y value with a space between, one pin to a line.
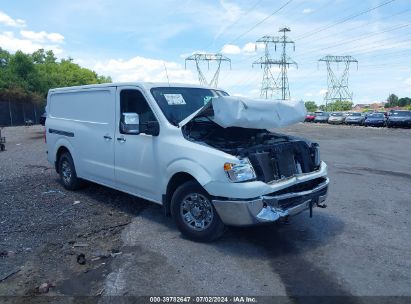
pixel 108 137
pixel 121 139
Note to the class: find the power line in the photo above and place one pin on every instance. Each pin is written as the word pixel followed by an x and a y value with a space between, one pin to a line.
pixel 345 19
pixel 236 21
pixel 364 24
pixel 359 38
pixel 291 21
pixel 262 21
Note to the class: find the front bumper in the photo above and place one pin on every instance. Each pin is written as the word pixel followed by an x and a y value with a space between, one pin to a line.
pixel 270 208
pixel 374 123
pixel 399 123
pixel 335 122
pixel 353 122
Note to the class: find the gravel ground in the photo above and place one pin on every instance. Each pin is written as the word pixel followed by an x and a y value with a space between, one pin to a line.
pixel 44 227
pixel 358 246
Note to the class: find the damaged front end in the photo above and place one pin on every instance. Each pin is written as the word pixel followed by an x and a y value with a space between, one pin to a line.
pixel 290 167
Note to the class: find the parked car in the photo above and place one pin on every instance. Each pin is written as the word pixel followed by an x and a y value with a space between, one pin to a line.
pixel 322 117
pixel 336 118
pixel 205 156
pixel 309 117
pixel 354 119
pixel 399 119
pixel 375 120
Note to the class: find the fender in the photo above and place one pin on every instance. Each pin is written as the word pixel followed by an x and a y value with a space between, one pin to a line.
pixel 200 173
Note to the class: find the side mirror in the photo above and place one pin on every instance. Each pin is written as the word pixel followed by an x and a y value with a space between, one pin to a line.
pixel 130 123
pixel 151 128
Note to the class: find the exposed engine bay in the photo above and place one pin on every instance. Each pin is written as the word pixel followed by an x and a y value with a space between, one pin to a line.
pixel 273 156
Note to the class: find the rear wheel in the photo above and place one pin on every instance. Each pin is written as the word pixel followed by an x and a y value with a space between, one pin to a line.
pixel 68 173
pixel 194 213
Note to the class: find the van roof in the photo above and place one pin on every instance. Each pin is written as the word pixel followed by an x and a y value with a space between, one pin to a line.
pixel 146 85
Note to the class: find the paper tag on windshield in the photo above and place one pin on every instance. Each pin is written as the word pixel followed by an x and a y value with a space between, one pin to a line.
pixel 174 99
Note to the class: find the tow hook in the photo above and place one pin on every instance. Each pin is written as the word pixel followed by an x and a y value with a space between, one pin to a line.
pixel 318 205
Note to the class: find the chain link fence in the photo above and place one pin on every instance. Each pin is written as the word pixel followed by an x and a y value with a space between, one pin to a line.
pixel 19 113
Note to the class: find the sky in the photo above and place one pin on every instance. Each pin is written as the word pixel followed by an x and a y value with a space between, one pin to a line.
pixel 139 40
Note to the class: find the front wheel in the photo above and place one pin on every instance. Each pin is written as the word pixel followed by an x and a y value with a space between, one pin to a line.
pixel 194 213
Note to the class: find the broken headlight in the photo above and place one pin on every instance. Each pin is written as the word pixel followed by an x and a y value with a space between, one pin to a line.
pixel 240 172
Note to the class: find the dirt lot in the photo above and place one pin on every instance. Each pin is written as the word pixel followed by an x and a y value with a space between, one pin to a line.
pixel 359 245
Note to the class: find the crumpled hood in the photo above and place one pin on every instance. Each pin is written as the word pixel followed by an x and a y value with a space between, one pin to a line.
pixel 251 113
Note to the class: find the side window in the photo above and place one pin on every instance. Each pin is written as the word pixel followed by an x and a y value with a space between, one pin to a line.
pixel 132 102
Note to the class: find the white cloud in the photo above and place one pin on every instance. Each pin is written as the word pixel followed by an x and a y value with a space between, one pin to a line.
pixel 8 21
pixel 144 69
pixel 307 10
pixel 308 94
pixel 249 47
pixel 231 49
pixel 322 92
pixel 26 40
pixel 42 36
pixel 12 43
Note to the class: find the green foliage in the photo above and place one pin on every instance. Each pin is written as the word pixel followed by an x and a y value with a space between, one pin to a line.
pixel 29 76
pixel 404 102
pixel 311 106
pixel 337 106
pixel 392 101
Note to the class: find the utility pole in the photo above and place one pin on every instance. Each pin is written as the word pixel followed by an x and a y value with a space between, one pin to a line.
pixel 271 85
pixel 203 57
pixel 338 84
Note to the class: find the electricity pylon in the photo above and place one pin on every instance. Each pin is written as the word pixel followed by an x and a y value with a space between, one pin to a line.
pixel 272 86
pixel 338 84
pixel 201 57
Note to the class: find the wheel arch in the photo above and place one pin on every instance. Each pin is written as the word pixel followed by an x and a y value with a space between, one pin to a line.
pixel 61 148
pixel 176 180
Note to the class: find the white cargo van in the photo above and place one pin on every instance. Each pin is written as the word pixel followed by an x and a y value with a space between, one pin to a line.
pixel 206 157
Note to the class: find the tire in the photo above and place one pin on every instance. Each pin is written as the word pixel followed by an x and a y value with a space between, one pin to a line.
pixel 68 173
pixel 2 147
pixel 190 202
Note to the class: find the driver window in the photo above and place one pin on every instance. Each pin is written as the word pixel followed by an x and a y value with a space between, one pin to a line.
pixel 133 101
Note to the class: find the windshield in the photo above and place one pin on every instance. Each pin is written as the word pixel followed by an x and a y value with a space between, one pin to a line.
pixel 355 114
pixel 402 113
pixel 376 115
pixel 178 103
pixel 336 114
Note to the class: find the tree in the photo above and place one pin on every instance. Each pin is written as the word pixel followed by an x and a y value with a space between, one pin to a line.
pixel 405 101
pixel 311 106
pixel 339 105
pixel 392 101
pixel 29 77
pixel 39 56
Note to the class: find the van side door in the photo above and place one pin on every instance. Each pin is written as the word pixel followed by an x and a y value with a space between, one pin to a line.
pixel 136 167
